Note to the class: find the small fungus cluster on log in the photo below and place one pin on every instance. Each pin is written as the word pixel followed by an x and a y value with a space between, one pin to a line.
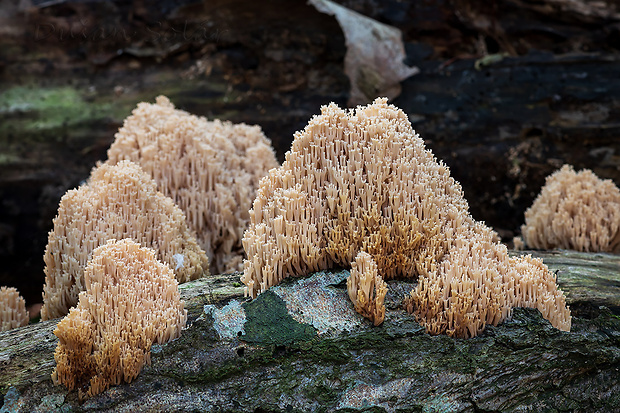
pixel 131 300
pixel 118 201
pixel 13 312
pixel 164 164
pixel 576 211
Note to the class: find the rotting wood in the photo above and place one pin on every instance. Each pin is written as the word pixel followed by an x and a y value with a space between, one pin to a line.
pixel 523 363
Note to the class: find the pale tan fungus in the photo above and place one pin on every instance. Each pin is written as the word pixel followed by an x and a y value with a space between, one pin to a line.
pixel 574 210
pixel 366 288
pixel 119 201
pixel 211 169
pixel 131 301
pixel 362 182
pixel 518 243
pixel 13 312
pixel 478 284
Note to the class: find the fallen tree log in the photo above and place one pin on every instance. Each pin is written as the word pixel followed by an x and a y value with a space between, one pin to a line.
pixel 301 347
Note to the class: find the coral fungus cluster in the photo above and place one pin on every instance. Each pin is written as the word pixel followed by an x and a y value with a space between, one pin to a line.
pixel 357 189
pixel 211 169
pixel 131 300
pixel 574 210
pixel 122 296
pixel 118 201
pixel 363 182
pixel 13 312
pixel 477 283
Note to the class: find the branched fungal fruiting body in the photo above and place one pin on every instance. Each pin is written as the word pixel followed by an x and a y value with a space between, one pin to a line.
pixel 362 182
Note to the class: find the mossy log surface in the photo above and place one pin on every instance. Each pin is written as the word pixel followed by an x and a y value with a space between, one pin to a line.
pixel 301 347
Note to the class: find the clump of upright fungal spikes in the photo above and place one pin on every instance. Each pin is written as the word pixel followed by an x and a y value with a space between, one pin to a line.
pixel 13 312
pixel 118 201
pixel 574 210
pixel 211 169
pixel 366 288
pixel 362 182
pixel 131 300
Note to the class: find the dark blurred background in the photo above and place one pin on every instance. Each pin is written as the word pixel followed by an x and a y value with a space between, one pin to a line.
pixel 508 91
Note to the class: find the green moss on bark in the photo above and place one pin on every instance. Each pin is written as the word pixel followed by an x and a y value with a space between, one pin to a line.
pixel 268 322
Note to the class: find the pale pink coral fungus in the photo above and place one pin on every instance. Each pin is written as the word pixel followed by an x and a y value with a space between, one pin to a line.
pixel 361 181
pixel 574 210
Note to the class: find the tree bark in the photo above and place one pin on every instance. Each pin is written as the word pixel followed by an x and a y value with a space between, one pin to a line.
pixel 301 347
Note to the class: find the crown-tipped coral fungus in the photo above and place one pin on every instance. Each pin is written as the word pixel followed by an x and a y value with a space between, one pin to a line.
pixel 131 301
pixel 13 312
pixel 363 182
pixel 574 210
pixel 118 201
pixel 211 169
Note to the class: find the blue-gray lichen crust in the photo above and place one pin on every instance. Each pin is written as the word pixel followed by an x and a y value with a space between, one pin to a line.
pixel 297 310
